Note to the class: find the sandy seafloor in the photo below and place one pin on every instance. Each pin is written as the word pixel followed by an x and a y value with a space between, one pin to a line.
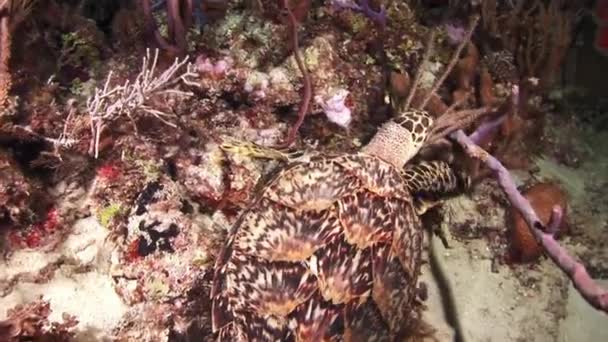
pixel 526 302
pixel 492 302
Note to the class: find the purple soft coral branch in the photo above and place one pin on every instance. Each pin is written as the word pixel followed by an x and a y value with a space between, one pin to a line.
pixel 377 17
pixel 488 127
pixel 557 215
pixel 586 286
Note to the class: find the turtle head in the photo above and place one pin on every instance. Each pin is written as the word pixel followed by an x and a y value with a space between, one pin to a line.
pixel 400 139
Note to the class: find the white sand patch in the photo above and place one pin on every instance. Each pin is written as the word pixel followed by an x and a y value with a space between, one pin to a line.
pixel 81 286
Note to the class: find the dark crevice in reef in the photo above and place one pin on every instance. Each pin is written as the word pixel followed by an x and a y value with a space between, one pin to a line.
pixel 26 152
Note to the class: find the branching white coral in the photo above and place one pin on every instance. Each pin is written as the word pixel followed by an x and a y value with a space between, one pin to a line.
pixel 108 104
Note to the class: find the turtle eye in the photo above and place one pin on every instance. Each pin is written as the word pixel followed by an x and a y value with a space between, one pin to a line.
pixel 418 122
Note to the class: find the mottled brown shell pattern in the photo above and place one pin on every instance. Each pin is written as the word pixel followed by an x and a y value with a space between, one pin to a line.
pixel 330 250
pixel 434 177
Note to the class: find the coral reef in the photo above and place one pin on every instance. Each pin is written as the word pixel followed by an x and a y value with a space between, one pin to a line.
pixel 31 322
pixel 164 254
pixel 523 29
pixel 17 194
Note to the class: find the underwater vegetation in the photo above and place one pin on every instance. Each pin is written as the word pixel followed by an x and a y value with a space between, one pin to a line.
pixel 267 170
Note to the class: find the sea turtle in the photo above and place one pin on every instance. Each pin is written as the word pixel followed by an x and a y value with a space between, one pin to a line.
pixel 330 247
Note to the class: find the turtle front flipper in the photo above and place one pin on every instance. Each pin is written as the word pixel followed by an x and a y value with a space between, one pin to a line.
pixel 432 181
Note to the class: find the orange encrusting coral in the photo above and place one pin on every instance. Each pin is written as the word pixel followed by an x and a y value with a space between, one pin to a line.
pixel 542 197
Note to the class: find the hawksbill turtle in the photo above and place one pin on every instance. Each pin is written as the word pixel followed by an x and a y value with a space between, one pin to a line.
pixel 330 247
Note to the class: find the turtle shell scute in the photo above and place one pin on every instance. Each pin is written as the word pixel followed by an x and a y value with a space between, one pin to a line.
pixel 406 241
pixel 313 186
pixel 390 289
pixel 279 233
pixel 317 320
pixel 272 288
pixel 367 219
pixel 251 327
pixel 375 175
pixel 315 256
pixel 343 271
